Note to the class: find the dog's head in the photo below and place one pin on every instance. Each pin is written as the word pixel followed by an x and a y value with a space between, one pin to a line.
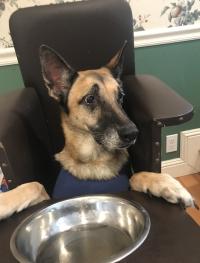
pixel 91 99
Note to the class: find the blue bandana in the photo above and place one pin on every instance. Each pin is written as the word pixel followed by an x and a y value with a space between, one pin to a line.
pixel 3 182
pixel 68 186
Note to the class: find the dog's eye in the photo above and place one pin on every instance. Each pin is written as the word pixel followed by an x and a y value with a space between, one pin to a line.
pixel 121 97
pixel 89 99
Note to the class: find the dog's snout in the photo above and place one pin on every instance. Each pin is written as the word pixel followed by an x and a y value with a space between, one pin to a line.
pixel 128 133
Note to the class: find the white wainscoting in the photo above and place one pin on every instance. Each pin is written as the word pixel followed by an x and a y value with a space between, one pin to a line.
pixel 189 161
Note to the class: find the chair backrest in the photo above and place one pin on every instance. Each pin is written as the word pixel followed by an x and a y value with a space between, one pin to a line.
pixel 87 34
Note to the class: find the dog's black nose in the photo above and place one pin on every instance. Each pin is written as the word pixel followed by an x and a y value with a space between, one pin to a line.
pixel 128 133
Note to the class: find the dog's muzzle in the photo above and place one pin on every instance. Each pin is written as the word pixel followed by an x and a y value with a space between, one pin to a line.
pixel 128 135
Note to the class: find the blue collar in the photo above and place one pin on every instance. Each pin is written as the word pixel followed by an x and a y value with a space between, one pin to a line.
pixel 68 186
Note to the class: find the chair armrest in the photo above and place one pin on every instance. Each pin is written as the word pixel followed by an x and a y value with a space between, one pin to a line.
pixel 151 104
pixel 25 152
pixel 149 99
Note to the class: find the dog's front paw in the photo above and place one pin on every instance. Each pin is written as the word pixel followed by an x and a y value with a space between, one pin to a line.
pixel 21 197
pixel 7 206
pixel 162 185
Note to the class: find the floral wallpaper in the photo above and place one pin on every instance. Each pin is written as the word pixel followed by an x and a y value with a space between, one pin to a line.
pixel 7 7
pixel 155 14
pixel 164 13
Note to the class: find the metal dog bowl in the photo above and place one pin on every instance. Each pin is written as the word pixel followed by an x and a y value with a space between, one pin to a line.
pixel 89 229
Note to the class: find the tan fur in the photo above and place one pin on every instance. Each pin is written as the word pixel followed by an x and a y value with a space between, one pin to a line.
pixel 82 156
pixel 21 197
pixel 79 116
pixel 161 185
pixel 85 159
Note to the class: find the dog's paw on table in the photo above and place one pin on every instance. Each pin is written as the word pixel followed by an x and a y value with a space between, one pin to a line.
pixel 21 197
pixel 162 185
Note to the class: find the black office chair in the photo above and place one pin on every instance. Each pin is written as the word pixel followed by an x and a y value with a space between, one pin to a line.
pixel 87 34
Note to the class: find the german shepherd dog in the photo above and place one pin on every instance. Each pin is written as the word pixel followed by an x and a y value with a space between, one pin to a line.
pixel 97 132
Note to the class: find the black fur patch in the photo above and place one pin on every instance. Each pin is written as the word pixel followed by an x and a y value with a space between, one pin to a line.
pixel 108 119
pixel 63 98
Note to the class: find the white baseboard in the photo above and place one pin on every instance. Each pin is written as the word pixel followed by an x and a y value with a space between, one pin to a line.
pixel 189 161
pixel 177 167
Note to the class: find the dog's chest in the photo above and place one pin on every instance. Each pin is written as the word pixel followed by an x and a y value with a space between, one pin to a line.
pixel 105 167
pixel 68 186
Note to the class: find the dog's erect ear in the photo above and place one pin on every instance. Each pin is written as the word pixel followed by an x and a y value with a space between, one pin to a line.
pixel 57 74
pixel 116 63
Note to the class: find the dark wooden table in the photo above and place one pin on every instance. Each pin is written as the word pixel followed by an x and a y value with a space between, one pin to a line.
pixel 174 237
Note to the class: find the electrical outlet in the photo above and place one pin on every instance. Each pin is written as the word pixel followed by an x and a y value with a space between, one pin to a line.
pixel 171 143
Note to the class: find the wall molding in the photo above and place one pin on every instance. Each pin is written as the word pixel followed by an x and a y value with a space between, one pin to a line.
pixel 141 39
pixel 166 36
pixel 7 57
pixel 184 165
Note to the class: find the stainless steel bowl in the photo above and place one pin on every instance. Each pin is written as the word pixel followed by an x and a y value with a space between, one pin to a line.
pixel 89 229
